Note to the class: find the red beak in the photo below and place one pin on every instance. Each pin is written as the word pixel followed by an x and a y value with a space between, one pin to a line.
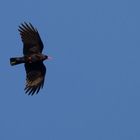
pixel 49 57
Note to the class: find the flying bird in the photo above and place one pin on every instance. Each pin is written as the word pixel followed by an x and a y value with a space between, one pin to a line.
pixel 32 58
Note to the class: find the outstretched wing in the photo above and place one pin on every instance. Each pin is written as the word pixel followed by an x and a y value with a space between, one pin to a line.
pixel 31 40
pixel 35 75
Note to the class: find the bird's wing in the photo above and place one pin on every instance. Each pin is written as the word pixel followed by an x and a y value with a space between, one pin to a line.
pixel 35 75
pixel 31 40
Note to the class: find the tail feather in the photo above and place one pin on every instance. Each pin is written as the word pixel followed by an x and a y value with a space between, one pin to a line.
pixel 16 60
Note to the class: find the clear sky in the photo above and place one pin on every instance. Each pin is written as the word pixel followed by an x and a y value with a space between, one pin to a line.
pixel 92 86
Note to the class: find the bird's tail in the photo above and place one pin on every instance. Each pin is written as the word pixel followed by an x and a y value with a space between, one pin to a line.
pixel 16 60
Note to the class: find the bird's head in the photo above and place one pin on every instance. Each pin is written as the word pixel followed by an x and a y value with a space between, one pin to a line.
pixel 46 57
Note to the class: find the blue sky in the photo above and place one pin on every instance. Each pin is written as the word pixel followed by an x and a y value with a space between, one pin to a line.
pixel 92 87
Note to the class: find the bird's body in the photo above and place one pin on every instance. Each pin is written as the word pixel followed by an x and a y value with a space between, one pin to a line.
pixel 32 58
pixel 28 59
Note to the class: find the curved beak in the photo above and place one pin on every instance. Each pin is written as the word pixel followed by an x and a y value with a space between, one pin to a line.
pixel 50 58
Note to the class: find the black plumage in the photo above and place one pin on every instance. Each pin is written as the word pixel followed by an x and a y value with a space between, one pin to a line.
pixel 32 58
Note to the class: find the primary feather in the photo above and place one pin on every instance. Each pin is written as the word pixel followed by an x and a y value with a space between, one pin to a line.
pixel 35 74
pixel 32 42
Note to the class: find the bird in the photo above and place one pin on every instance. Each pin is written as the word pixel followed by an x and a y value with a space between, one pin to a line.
pixel 32 58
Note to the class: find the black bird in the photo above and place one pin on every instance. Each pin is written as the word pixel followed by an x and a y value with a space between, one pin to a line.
pixel 32 58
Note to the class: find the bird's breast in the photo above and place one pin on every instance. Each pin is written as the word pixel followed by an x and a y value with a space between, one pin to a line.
pixel 32 58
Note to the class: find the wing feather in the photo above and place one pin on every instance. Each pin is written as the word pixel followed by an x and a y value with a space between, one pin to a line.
pixel 32 42
pixel 35 75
